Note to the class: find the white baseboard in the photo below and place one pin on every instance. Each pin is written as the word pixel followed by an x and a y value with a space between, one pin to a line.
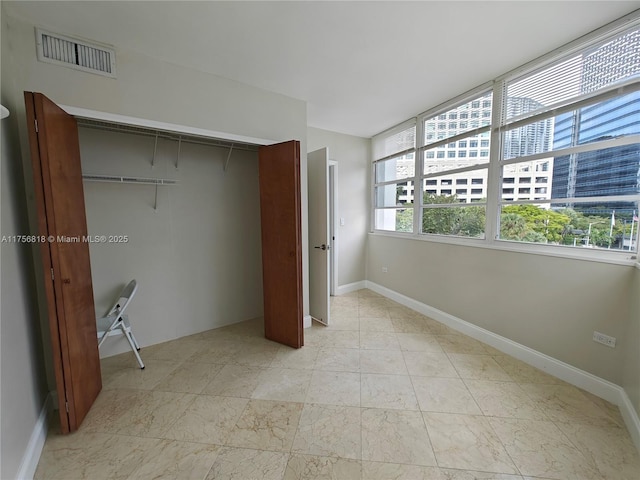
pixel 630 416
pixel 351 287
pixel 570 374
pixel 306 321
pixel 32 454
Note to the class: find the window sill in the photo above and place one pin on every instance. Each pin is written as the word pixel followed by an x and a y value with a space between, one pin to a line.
pixel 616 258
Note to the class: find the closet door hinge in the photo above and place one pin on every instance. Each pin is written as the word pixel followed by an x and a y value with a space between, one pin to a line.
pixel 36 124
pixel 52 276
pixel 66 406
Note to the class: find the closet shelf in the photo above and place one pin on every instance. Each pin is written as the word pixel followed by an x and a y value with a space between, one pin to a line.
pixel 133 180
pixel 157 133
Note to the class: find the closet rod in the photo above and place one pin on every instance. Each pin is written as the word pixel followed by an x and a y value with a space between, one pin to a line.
pixel 130 180
pixel 193 139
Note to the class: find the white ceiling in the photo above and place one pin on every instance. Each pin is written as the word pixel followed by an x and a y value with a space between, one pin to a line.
pixel 361 66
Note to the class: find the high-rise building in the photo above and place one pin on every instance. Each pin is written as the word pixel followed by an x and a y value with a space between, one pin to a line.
pixel 530 139
pixel 611 171
pixel 525 181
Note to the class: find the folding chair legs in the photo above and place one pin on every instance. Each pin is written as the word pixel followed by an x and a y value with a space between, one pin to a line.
pixel 135 342
pixel 134 347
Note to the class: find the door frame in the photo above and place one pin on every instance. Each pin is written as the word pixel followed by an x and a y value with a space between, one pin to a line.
pixel 333 224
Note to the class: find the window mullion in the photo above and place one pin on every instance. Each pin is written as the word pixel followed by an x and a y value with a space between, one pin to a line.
pixel 417 184
pixel 494 176
pixel 460 136
pixel 372 196
pixel 587 147
pixel 394 181
pixel 452 171
pixel 616 90
pixel 395 155
pixel 565 200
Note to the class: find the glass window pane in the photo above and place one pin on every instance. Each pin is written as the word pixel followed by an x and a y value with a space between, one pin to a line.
pixel 471 109
pixel 437 190
pixel 602 121
pixel 462 221
pixel 612 118
pixel 394 219
pixel 610 225
pixel 460 158
pixel 516 180
pixel 395 168
pixel 394 194
pixel 611 171
pixel 394 141
pixel 611 61
pixel 528 139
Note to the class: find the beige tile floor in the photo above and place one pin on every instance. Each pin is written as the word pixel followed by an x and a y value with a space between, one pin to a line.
pixel 383 393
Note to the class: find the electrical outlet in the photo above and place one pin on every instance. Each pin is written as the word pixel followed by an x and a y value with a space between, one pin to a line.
pixel 604 339
pixel 385 269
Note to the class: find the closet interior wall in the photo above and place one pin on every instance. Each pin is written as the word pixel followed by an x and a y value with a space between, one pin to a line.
pixel 195 250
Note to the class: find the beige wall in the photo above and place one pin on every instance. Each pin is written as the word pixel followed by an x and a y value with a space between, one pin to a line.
pixel 22 366
pixel 22 372
pixel 550 304
pixel 353 157
pixel 631 372
pixel 197 257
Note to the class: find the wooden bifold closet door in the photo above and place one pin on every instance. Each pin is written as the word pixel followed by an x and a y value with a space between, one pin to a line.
pixel 62 227
pixel 280 211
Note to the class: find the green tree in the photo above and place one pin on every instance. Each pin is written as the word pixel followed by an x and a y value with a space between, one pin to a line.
pixel 404 219
pixel 438 220
pixel 513 226
pixel 466 221
pixel 534 237
pixel 600 234
pixel 549 224
pixel 470 221
pixel 523 223
pixel 577 229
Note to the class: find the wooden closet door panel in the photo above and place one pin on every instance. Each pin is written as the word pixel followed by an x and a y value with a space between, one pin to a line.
pixel 57 349
pixel 58 161
pixel 279 171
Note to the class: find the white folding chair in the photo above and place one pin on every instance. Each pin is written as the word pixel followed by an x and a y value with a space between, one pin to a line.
pixel 117 323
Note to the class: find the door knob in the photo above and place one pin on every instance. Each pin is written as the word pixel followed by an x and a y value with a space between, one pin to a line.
pixel 323 247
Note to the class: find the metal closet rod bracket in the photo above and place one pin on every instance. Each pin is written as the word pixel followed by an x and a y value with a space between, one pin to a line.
pixel 155 150
pixel 179 147
pixel 226 163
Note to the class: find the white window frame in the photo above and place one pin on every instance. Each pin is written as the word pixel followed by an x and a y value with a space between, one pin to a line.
pixel 423 147
pixel 386 134
pixel 496 163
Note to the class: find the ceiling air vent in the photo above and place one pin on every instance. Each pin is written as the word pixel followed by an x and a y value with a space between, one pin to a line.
pixel 75 53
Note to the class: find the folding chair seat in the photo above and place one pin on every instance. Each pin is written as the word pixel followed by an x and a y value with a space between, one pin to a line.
pixel 116 322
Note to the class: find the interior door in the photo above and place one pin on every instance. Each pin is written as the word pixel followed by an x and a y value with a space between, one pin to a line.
pixel 279 172
pixel 319 234
pixel 55 155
